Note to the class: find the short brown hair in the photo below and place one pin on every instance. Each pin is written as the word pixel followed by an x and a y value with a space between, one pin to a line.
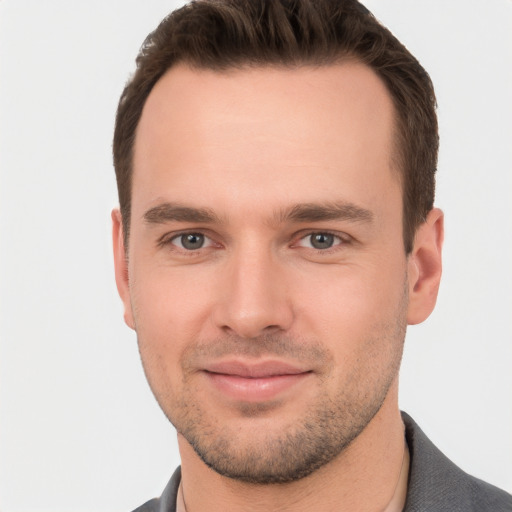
pixel 224 34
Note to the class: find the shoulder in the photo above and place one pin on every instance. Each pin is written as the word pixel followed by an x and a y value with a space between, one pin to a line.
pixel 150 506
pixel 166 502
pixel 436 484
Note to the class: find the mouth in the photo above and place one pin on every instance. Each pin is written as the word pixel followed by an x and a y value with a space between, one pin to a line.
pixel 257 382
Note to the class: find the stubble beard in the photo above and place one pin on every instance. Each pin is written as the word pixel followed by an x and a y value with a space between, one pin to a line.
pixel 315 439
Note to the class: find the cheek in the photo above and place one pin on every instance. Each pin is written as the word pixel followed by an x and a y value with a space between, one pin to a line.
pixel 168 301
pixel 347 307
pixel 170 314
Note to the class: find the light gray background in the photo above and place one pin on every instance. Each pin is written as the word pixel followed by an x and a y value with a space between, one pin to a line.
pixel 79 427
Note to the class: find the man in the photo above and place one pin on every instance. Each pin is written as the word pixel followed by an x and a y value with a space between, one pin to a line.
pixel 276 234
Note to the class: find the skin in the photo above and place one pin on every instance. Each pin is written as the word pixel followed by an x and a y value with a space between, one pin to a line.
pixel 242 151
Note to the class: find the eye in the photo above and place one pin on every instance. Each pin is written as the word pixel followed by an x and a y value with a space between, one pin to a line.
pixel 191 241
pixel 320 241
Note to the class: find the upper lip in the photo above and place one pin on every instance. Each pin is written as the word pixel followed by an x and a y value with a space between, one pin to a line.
pixel 254 370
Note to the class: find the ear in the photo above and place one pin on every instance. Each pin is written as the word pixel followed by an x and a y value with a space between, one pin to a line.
pixel 121 267
pixel 424 267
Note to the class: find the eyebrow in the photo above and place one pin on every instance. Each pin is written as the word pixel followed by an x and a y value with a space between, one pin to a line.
pixel 303 212
pixel 169 212
pixel 314 212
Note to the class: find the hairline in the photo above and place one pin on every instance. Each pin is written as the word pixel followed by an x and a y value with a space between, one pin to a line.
pixel 396 162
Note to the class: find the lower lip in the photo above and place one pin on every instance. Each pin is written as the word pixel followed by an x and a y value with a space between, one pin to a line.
pixel 255 389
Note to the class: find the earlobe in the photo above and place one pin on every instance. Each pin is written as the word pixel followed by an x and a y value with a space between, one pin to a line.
pixel 121 266
pixel 425 267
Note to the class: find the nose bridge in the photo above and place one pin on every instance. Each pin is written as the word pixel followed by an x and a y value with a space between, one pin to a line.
pixel 255 299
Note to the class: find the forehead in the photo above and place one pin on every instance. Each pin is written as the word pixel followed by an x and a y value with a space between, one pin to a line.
pixel 267 133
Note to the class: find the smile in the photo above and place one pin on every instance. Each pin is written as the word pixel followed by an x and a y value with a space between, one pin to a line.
pixel 254 383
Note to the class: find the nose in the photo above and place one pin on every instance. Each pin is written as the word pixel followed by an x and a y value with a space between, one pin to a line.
pixel 254 299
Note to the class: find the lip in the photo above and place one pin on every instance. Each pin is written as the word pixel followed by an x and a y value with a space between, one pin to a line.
pixel 261 369
pixel 258 382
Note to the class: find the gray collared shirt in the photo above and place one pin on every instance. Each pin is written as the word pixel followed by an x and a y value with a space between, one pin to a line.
pixel 435 483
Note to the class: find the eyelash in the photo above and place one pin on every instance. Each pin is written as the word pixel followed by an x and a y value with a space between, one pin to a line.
pixel 342 240
pixel 167 240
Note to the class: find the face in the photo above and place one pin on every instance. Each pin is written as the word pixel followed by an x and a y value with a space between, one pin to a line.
pixel 266 277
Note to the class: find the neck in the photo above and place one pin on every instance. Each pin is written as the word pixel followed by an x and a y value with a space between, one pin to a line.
pixel 362 478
